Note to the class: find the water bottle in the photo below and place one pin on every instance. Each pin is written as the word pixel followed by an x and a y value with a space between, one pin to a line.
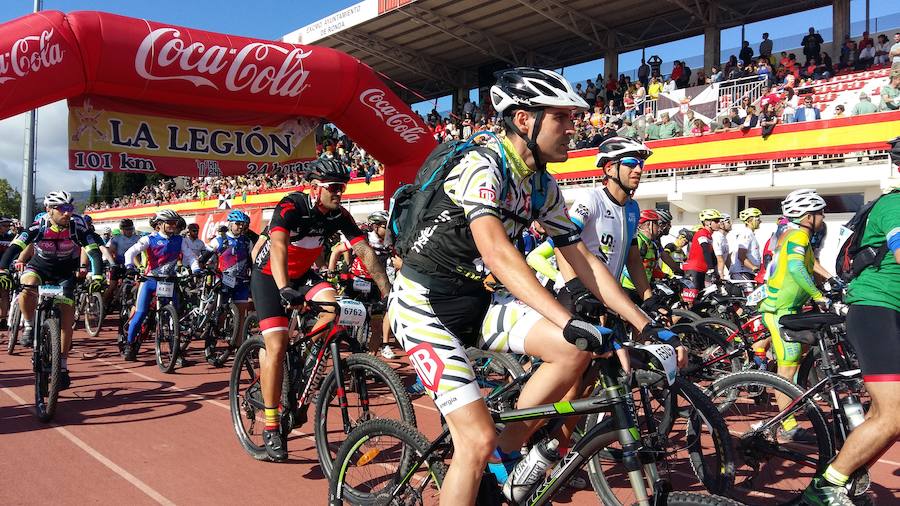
pixel 854 412
pixel 530 470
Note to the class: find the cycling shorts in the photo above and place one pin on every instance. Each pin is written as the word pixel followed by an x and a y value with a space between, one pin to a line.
pixel 61 277
pixel 786 353
pixel 267 299
pixel 874 333
pixel 240 293
pixel 434 322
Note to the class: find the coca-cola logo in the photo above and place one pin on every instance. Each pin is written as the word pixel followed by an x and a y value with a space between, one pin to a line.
pixel 404 124
pixel 258 67
pixel 211 228
pixel 30 54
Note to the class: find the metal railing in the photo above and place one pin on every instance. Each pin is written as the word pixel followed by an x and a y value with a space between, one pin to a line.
pixel 731 92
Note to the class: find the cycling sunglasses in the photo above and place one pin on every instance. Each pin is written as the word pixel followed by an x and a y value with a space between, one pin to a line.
pixel 333 187
pixel 631 162
pixel 65 208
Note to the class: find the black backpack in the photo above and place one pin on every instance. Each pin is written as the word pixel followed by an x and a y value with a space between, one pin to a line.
pixel 852 257
pixel 411 201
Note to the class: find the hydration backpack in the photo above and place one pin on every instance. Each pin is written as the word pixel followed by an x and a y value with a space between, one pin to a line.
pixel 411 201
pixel 852 257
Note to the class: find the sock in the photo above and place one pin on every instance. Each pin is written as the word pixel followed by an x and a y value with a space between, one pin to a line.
pixel 27 324
pixel 835 477
pixel 271 419
pixel 789 423
pixel 507 461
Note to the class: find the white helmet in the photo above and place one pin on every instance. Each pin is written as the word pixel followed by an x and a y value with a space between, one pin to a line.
pixel 801 202
pixel 726 217
pixel 164 215
pixel 57 198
pixel 529 87
pixel 616 148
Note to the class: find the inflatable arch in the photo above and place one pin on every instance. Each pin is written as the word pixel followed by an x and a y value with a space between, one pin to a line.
pixel 50 56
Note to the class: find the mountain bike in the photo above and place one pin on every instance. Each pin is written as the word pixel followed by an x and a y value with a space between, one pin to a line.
pixel 389 462
pixel 213 320
pixel 161 322
pixel 14 320
pixel 90 307
pixel 778 471
pixel 359 387
pixel 124 298
pixel 47 354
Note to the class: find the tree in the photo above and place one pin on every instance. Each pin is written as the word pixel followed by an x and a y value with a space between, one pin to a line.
pixel 92 199
pixel 10 200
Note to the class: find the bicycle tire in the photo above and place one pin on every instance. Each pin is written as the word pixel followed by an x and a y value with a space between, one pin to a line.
pixel 493 370
pixel 752 444
pixel 694 499
pixel 14 321
pixel 168 344
pixel 686 315
pixel 244 360
pixel 48 370
pixel 94 312
pixel 373 430
pixel 714 333
pixel 352 365
pixel 716 474
pixel 220 353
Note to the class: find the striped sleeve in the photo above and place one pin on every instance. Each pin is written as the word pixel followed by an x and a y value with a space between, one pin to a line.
pixel 475 185
pixel 555 218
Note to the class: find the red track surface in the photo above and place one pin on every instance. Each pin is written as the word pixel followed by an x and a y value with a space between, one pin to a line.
pixel 125 433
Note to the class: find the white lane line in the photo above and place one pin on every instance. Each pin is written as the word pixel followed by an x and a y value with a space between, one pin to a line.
pixel 889 462
pixel 112 466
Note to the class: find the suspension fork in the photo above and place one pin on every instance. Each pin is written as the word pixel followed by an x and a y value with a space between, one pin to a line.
pixel 340 382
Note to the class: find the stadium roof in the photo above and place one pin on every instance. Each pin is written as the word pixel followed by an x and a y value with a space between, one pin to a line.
pixel 437 46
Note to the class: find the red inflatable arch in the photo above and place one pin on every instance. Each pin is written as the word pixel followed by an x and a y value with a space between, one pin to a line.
pixel 49 56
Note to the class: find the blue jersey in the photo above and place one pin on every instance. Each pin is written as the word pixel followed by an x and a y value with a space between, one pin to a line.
pixel 163 253
pixel 233 253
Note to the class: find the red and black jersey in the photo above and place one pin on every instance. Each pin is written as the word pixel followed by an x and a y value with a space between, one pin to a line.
pixel 696 257
pixel 307 228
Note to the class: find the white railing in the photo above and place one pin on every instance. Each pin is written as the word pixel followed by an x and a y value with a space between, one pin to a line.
pixel 731 92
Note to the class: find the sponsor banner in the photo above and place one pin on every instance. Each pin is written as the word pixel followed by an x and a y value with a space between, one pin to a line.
pixel 833 136
pixel 340 20
pixel 116 135
pixel 209 223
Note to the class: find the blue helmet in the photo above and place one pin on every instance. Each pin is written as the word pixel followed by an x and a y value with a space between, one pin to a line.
pixel 238 216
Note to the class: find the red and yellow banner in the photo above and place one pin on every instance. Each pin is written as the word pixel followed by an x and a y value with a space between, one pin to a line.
pixel 843 135
pixel 117 135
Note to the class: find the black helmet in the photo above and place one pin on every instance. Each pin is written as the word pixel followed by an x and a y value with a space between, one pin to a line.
pixel 327 169
pixel 126 223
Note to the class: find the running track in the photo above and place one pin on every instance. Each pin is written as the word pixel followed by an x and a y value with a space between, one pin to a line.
pixel 125 433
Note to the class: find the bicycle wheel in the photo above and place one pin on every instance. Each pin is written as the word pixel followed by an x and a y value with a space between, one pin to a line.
pixel 222 349
pixel 47 369
pixel 245 397
pixel 689 499
pixel 167 340
pixel 710 340
pixel 14 322
pixel 93 313
pixel 493 371
pixel 691 442
pixel 384 397
pixel 771 470
pixel 375 457
pixel 685 316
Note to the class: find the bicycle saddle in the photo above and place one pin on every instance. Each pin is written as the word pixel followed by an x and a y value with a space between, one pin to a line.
pixel 809 321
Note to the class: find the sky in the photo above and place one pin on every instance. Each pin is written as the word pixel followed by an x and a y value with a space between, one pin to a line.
pixel 270 19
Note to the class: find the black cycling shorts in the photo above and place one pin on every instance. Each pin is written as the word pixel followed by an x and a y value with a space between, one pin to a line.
pixel 267 299
pixel 874 333
pixel 62 277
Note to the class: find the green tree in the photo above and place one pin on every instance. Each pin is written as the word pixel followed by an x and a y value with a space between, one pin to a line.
pixel 10 200
pixel 92 199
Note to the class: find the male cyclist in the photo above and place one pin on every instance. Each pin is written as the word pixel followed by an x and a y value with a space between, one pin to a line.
pixel 746 258
pixel 6 238
pixel 282 275
pixel 675 249
pixel 668 264
pixel 648 233
pixel 117 246
pixel 790 284
pixel 57 238
pixel 873 328
pixel 233 252
pixel 163 248
pixel 439 297
pixel 193 241
pixel 701 257
pixel 720 246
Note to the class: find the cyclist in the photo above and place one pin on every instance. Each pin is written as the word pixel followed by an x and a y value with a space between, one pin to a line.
pixel 363 284
pixel 7 235
pixel 675 249
pixel 669 265
pixel 790 284
pixel 746 258
pixel 163 249
pixel 720 246
pixel 648 233
pixel 282 275
pixel 193 240
pixel 873 328
pixel 233 252
pixel 88 224
pixel 117 246
pixel 56 237
pixel 439 295
pixel 701 257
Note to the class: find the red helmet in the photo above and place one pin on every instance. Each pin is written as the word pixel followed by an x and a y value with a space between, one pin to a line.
pixel 648 215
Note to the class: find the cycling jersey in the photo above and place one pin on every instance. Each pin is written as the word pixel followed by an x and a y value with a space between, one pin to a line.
pixel 607 228
pixel 233 253
pixel 56 249
pixel 196 245
pixel 307 228
pixel 720 245
pixel 5 240
pixel 650 259
pixel 696 257
pixel 745 240
pixel 676 253
pixel 790 283
pixel 163 253
pixel 880 285
pixel 122 244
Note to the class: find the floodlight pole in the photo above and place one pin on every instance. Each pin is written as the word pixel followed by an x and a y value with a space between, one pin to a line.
pixel 27 206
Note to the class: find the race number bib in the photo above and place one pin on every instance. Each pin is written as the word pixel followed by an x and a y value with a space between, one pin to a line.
pixel 664 289
pixel 228 280
pixel 165 289
pixel 353 313
pixel 362 286
pixel 666 355
pixel 50 291
pixel 756 296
